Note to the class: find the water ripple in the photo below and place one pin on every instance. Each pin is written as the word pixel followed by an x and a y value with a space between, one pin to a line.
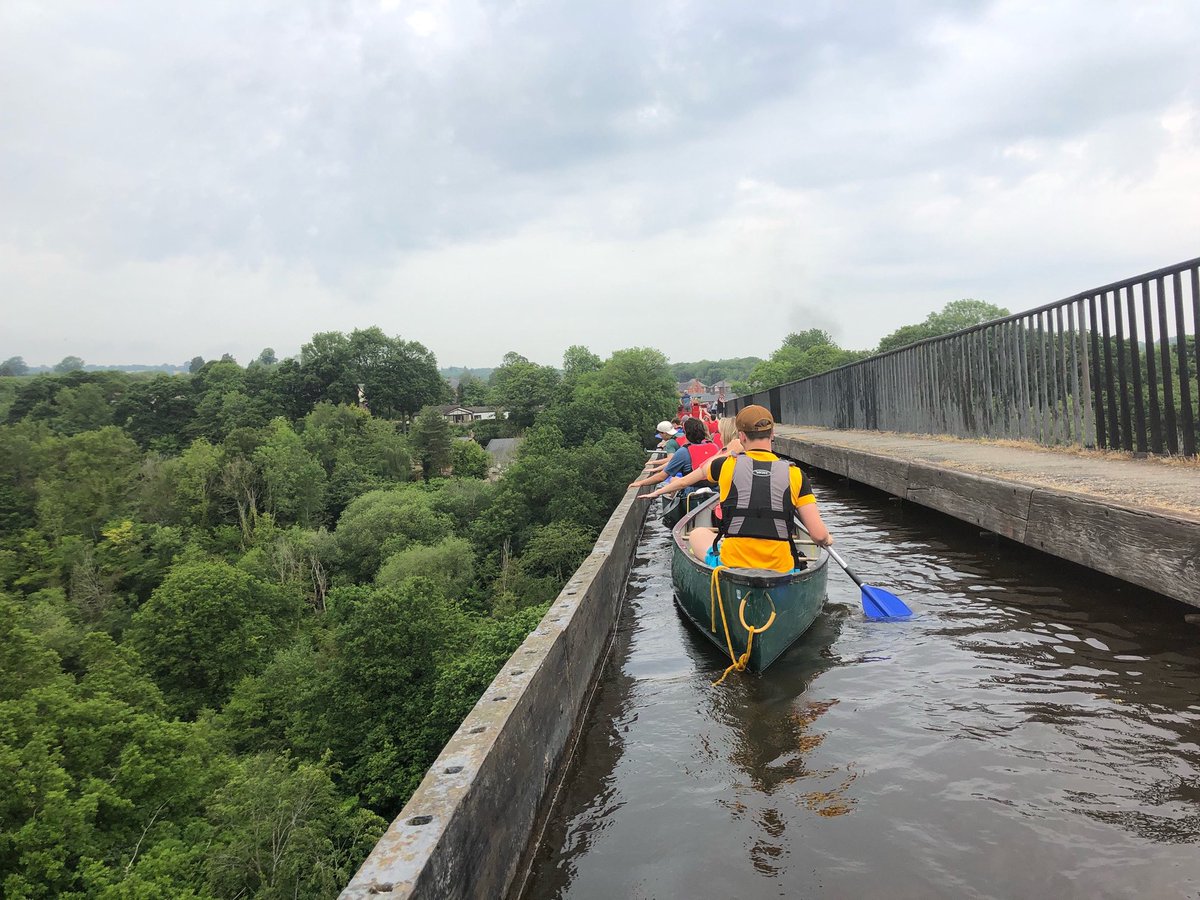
pixel 1032 732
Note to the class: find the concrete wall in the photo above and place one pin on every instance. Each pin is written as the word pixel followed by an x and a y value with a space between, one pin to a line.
pixel 1156 551
pixel 466 830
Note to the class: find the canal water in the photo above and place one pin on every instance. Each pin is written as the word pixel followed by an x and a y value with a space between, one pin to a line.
pixel 1033 732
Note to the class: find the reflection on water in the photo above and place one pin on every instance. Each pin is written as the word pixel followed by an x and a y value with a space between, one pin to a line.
pixel 1033 732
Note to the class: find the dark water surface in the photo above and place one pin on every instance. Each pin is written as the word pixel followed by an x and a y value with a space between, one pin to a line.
pixel 1034 732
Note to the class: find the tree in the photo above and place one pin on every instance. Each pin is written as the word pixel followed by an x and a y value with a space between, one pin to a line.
pixel 450 563
pixel 632 391
pixel 712 371
pixel 802 354
pixel 579 360
pixel 283 832
pixel 84 408
pixel 430 438
pixel 157 413
pixel 399 377
pixel 89 480
pixel 391 645
pixel 195 364
pixel 469 460
pixel 267 357
pixel 89 766
pixel 207 625
pixel 471 391
pixel 954 316
pixel 14 365
pixel 69 364
pixel 522 388
pixel 294 480
pixel 380 523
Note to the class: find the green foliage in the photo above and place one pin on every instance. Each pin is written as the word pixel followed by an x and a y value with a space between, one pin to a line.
pixel 522 388
pixel 88 480
pixel 282 831
pixel 399 377
pixel 712 371
pixel 954 316
pixel 579 360
pixel 93 774
pixel 469 460
pixel 68 364
pixel 380 523
pixel 632 391
pixel 14 365
pixel 294 480
pixel 803 354
pixel 464 500
pixel 207 625
pixel 202 690
pixel 450 564
pixel 430 438
pixel 23 448
pixel 471 391
pixel 158 413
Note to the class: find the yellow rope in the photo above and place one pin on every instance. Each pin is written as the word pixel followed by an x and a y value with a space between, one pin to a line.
pixel 715 601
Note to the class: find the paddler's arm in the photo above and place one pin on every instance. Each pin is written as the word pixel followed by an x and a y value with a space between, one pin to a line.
pixel 677 484
pixel 658 476
pixel 811 519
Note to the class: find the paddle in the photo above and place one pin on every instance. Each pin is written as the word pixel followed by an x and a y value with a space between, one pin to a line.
pixel 876 602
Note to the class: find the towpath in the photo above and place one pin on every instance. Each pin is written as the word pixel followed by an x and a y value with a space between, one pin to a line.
pixel 1134 519
pixel 1150 483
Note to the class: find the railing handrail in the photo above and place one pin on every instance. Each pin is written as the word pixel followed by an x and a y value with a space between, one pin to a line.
pixel 1014 317
pixel 1072 371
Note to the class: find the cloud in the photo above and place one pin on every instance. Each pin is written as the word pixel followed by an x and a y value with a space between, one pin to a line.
pixel 472 173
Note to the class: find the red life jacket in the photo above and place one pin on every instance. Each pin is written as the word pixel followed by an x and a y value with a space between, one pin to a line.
pixel 701 453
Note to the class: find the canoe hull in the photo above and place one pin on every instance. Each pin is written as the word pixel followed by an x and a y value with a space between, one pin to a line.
pixel 676 506
pixel 795 598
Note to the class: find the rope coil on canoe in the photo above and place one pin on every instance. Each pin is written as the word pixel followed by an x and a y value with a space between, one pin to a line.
pixel 716 602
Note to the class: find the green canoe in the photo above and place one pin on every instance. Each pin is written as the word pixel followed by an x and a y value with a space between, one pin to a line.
pixel 676 506
pixel 748 597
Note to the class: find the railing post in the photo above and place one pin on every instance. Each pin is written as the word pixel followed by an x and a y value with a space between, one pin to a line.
pixel 1135 365
pixel 1185 378
pixel 1168 378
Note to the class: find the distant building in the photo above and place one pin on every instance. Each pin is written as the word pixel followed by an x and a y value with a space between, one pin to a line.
pixel 461 415
pixel 502 452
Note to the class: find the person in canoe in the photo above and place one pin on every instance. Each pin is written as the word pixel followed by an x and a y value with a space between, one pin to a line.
pixel 729 445
pixel 760 494
pixel 697 450
pixel 673 438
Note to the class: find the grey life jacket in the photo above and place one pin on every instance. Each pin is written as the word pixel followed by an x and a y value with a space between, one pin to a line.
pixel 759 504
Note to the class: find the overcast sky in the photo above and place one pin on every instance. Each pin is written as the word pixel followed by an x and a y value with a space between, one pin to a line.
pixel 702 177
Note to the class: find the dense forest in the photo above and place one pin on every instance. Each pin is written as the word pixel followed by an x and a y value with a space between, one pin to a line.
pixel 240 614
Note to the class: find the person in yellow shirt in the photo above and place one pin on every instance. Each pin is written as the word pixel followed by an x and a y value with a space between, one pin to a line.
pixel 760 495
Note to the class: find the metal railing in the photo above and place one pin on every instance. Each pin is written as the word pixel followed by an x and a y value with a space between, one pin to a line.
pixel 1114 367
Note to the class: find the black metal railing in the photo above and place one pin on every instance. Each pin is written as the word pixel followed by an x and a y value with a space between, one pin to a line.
pixel 1114 367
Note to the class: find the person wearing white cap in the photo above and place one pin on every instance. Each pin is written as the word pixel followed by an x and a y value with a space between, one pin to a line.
pixel 672 440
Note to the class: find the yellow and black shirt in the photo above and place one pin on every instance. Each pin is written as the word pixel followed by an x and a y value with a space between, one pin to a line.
pixel 755 552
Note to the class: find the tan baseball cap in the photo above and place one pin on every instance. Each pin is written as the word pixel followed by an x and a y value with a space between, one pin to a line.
pixel 754 418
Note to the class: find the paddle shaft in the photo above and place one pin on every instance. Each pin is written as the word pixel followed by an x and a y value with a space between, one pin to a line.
pixel 845 568
pixel 836 558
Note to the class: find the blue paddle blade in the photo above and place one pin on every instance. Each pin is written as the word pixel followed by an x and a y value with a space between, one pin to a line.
pixel 880 604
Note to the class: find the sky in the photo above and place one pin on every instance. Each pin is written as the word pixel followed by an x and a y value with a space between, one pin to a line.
pixel 198 178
